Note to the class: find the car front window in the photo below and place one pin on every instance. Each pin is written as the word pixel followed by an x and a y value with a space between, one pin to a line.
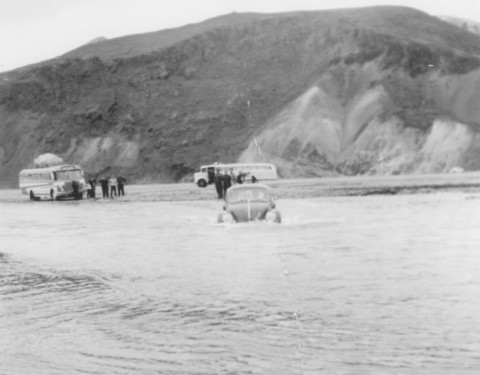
pixel 246 195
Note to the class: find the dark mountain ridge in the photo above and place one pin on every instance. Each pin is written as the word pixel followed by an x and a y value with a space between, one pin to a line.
pixel 368 90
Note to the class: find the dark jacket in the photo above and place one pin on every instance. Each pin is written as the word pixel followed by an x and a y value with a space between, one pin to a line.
pixel 104 183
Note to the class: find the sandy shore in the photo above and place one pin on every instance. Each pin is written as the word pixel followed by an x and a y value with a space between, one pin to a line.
pixel 300 188
pixel 323 187
pixel 369 185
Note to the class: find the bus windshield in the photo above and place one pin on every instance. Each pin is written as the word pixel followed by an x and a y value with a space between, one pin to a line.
pixel 75 174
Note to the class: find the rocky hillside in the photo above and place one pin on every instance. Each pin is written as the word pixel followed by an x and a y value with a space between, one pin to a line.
pixel 385 90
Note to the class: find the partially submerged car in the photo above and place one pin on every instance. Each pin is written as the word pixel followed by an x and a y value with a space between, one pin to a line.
pixel 249 202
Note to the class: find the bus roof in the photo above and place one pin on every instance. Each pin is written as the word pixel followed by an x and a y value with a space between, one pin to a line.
pixel 54 168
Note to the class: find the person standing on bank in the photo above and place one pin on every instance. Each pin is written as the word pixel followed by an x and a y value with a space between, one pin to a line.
pixel 227 182
pixel 93 184
pixel 233 178
pixel 89 189
pixel 75 187
pixel 112 181
pixel 241 177
pixel 104 183
pixel 121 183
pixel 219 183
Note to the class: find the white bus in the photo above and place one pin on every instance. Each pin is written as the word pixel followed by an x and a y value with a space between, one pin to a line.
pixel 261 171
pixel 56 182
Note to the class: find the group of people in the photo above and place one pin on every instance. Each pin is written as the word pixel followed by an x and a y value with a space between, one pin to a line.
pixel 111 186
pixel 224 180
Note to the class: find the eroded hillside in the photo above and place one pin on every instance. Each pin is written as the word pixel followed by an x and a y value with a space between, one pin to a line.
pixel 392 124
pixel 373 90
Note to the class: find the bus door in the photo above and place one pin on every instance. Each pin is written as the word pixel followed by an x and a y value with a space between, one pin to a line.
pixel 211 175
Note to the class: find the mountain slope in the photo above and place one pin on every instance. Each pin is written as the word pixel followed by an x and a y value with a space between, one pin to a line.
pixel 368 90
pixel 465 24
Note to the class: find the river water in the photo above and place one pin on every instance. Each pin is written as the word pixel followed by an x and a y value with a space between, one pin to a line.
pixel 142 285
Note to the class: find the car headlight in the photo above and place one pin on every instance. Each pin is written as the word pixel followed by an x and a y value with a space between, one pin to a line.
pixel 228 217
pixel 271 216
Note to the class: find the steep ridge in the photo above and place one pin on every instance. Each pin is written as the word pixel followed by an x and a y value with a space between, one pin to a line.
pixel 368 90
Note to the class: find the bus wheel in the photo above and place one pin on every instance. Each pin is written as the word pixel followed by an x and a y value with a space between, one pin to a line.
pixel 32 196
pixel 202 183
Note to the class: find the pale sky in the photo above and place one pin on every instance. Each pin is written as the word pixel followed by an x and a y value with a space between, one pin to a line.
pixel 35 30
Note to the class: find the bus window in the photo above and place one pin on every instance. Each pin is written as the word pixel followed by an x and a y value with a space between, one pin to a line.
pixel 35 177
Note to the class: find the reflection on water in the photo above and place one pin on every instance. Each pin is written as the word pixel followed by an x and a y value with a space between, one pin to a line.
pixel 370 285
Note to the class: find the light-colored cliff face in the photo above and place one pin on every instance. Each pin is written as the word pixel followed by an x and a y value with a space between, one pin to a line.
pixel 100 151
pixel 350 123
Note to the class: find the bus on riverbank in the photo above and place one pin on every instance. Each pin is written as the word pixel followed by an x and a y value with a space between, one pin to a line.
pixel 261 171
pixel 55 182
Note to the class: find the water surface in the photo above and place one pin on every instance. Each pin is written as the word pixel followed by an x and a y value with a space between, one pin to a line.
pixel 149 285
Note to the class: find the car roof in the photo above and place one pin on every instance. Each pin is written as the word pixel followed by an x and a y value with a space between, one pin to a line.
pixel 247 186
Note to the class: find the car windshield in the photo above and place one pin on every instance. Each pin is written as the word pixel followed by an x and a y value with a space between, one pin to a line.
pixel 245 195
pixel 69 175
